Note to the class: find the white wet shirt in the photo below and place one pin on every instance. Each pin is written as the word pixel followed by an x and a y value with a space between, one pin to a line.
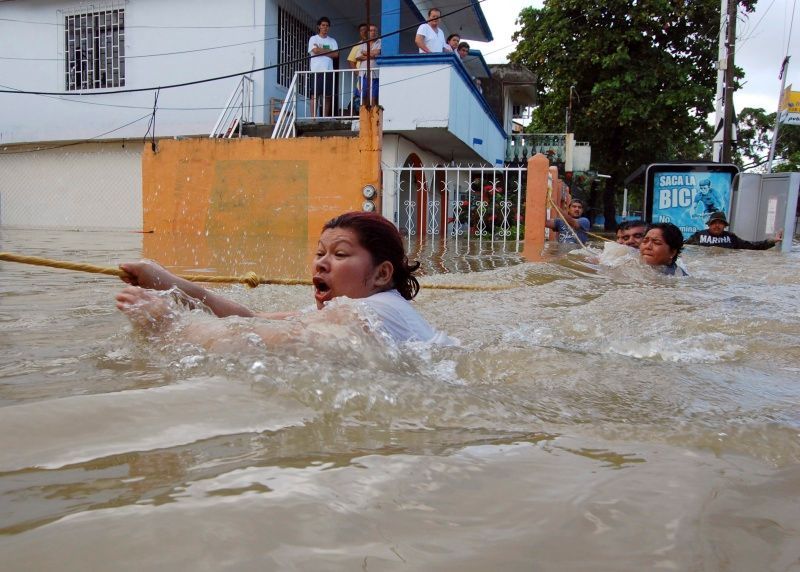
pixel 390 313
pixel 399 318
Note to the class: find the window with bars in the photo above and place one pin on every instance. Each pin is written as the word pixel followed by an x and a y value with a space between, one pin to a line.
pixel 293 36
pixel 94 49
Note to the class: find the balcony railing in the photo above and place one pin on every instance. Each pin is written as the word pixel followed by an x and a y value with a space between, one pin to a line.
pixel 522 146
pixel 333 95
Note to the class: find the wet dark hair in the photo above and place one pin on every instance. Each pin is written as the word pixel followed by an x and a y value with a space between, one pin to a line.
pixel 451 36
pixel 463 45
pixel 628 224
pixel 672 236
pixel 383 241
pixel 324 19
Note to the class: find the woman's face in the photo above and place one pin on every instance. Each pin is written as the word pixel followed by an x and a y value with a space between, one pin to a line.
pixel 654 249
pixel 342 267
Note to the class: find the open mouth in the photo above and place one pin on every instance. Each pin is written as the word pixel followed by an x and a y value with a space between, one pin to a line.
pixel 322 291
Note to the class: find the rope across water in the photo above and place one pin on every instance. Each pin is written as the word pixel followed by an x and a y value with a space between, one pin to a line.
pixel 251 279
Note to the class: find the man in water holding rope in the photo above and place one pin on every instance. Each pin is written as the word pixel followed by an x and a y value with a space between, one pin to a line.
pixel 572 228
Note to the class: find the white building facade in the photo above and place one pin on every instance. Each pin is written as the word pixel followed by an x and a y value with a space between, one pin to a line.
pixel 84 85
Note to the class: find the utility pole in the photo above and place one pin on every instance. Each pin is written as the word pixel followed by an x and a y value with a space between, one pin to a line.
pixel 719 100
pixel 727 134
pixel 724 98
pixel 784 69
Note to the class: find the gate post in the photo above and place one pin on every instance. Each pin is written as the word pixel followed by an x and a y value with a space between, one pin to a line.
pixel 535 204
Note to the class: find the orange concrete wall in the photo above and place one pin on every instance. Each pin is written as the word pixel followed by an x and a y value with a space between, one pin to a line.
pixel 228 203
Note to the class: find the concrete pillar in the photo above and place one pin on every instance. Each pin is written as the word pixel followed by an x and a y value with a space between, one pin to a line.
pixel 535 207
pixel 370 149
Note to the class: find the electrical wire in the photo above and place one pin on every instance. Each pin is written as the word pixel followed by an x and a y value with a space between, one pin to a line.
pixel 226 76
pixel 73 143
pixel 335 21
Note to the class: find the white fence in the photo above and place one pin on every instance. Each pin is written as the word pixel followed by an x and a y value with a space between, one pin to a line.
pixel 458 204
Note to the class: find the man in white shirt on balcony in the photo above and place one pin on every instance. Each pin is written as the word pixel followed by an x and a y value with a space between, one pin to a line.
pixel 369 96
pixel 430 38
pixel 322 49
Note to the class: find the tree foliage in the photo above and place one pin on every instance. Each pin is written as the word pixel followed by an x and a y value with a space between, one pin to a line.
pixel 639 76
pixel 754 137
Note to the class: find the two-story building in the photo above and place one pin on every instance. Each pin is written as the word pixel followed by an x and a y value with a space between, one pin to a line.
pixel 97 102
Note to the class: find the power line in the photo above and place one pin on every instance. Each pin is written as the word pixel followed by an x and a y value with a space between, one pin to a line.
pixel 259 105
pixel 81 142
pixel 335 21
pixel 217 78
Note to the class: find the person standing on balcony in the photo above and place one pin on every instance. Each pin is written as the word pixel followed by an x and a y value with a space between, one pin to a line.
pixel 430 38
pixel 463 52
pixel 352 59
pixel 322 49
pixel 452 43
pixel 369 96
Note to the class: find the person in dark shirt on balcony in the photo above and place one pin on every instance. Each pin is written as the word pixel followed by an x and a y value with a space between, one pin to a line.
pixel 716 235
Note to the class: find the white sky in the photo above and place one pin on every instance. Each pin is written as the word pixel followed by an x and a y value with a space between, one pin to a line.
pixel 761 44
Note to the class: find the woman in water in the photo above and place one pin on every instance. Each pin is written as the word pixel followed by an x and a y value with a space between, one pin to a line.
pixel 660 248
pixel 359 256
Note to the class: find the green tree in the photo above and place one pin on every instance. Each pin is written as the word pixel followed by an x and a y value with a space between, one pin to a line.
pixel 754 137
pixel 638 75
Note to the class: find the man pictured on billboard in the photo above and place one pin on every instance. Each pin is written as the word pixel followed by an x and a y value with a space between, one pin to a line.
pixel 687 198
pixel 706 201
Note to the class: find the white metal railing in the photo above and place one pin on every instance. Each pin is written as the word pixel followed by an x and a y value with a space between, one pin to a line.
pixel 459 204
pixel 333 95
pixel 522 146
pixel 238 111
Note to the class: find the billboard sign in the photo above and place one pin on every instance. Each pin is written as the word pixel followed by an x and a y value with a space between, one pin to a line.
pixel 790 107
pixel 686 194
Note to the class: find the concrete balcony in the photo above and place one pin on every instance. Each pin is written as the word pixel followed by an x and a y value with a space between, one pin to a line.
pixel 432 100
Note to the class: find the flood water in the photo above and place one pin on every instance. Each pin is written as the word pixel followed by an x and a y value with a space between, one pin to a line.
pixel 590 419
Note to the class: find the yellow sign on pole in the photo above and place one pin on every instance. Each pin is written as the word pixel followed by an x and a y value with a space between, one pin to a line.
pixel 789 110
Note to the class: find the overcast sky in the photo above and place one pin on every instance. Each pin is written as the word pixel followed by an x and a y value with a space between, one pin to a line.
pixel 761 45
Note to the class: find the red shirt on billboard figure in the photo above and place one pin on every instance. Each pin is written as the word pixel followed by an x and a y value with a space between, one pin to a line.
pixel 687 194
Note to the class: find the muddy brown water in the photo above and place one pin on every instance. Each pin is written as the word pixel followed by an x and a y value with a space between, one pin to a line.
pixel 590 419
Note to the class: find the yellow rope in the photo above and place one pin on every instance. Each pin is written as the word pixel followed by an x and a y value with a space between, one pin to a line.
pixel 600 237
pixel 251 278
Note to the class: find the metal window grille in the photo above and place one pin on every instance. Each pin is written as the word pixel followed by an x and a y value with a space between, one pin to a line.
pixel 94 48
pixel 293 35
